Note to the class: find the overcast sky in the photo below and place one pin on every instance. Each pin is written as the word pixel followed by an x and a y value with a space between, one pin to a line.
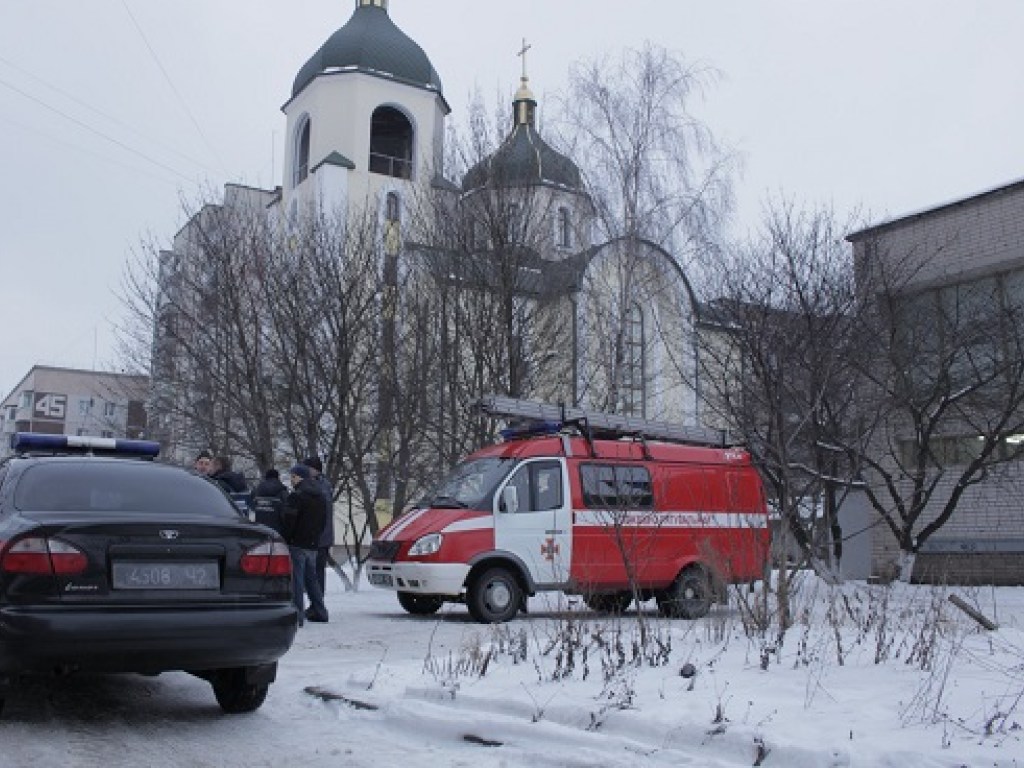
pixel 112 110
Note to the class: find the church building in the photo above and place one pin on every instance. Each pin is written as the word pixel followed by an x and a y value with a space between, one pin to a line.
pixel 598 323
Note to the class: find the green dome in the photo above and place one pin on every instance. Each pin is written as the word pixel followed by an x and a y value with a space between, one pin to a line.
pixel 522 160
pixel 370 42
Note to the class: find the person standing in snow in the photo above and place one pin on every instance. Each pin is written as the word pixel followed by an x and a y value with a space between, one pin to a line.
pixel 323 550
pixel 268 501
pixel 305 512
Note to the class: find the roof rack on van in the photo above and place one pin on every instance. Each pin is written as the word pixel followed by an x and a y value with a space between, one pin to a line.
pixel 604 424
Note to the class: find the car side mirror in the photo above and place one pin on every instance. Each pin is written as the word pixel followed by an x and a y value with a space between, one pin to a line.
pixel 510 499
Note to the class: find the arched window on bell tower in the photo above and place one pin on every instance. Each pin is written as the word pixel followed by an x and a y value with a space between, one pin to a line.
pixel 301 152
pixel 391 142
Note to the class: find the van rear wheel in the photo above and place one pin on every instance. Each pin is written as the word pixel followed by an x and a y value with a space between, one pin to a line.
pixel 494 596
pixel 419 605
pixel 615 602
pixel 689 597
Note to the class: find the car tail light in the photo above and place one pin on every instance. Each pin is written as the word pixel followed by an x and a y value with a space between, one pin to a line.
pixel 46 557
pixel 271 558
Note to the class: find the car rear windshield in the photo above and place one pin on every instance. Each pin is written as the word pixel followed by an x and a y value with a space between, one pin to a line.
pixel 115 486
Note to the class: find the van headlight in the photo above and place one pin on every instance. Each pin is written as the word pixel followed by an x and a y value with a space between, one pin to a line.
pixel 426 545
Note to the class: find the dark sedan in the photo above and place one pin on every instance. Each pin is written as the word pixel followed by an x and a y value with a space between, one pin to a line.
pixel 112 563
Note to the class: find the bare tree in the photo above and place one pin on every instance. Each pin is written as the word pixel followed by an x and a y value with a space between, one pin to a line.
pixel 202 304
pixel 778 354
pixel 651 165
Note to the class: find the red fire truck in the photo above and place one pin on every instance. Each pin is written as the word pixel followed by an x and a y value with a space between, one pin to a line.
pixel 613 508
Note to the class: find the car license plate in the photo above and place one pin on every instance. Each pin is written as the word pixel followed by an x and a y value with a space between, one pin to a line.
pixel 381 579
pixel 139 575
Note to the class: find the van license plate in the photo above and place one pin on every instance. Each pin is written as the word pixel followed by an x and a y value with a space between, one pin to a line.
pixel 382 579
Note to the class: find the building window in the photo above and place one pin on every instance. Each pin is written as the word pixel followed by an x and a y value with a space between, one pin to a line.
pixel 12 413
pixel 391 212
pixel 392 230
pixel 301 152
pixel 538 487
pixel 513 223
pixel 109 409
pixel 85 406
pixel 391 142
pixel 631 379
pixel 26 399
pixel 564 228
pixel 107 433
pixel 610 486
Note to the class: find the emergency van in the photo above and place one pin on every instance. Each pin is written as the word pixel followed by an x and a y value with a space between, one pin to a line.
pixel 609 507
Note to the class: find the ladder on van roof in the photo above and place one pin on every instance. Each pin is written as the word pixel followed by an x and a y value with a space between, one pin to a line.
pixel 606 424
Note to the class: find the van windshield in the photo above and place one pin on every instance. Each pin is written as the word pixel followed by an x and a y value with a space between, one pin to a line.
pixel 471 483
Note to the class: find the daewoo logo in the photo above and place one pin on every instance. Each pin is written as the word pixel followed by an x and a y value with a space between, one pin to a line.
pixel 168 534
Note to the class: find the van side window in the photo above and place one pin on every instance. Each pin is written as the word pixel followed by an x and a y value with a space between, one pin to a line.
pixel 614 486
pixel 539 486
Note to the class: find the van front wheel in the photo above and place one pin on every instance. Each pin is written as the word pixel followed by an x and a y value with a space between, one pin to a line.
pixel 494 596
pixel 689 597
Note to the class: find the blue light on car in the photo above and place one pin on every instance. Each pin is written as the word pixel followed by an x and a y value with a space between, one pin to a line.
pixel 531 429
pixel 33 441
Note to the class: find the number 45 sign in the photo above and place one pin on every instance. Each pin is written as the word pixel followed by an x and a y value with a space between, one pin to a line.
pixel 51 406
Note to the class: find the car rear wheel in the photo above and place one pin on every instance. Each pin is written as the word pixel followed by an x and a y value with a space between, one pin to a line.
pixel 419 605
pixel 615 602
pixel 495 596
pixel 689 597
pixel 235 695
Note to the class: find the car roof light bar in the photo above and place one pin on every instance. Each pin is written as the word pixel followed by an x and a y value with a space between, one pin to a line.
pixel 34 442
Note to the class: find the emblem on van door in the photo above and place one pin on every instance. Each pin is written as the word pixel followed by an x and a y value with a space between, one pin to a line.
pixel 168 534
pixel 549 549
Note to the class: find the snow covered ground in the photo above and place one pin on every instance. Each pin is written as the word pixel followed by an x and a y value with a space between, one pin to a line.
pixel 867 676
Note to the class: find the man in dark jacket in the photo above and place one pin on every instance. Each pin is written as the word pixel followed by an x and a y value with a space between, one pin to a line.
pixel 305 507
pixel 224 476
pixel 268 501
pixel 323 550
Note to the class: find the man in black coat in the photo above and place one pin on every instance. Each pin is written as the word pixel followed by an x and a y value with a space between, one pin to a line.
pixel 323 552
pixel 306 511
pixel 223 475
pixel 268 501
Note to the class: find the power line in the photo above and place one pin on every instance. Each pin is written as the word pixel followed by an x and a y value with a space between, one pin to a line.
pixel 103 114
pixel 41 134
pixel 170 83
pixel 94 131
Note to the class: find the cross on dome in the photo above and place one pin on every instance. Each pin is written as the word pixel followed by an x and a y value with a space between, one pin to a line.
pixel 522 54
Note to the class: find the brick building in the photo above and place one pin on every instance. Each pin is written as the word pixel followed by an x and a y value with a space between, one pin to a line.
pixel 959 269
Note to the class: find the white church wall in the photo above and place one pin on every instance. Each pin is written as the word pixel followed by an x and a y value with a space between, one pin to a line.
pixel 341 107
